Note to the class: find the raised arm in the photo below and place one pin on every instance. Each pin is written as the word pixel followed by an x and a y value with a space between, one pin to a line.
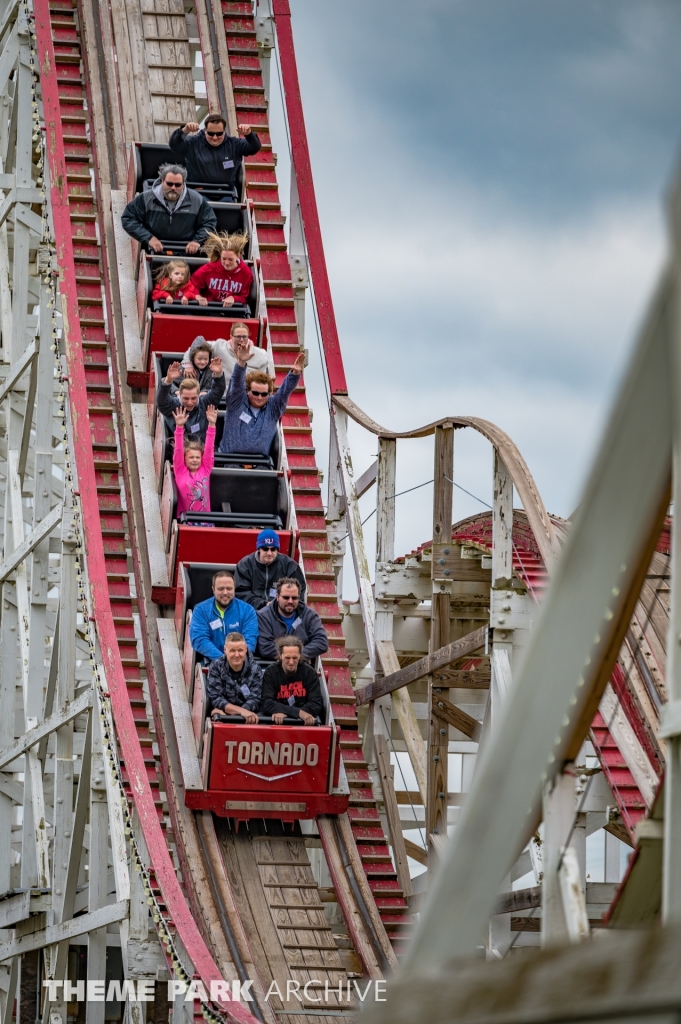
pixel 279 401
pixel 237 388
pixel 249 143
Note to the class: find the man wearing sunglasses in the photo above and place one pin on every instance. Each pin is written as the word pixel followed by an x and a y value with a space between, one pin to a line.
pixel 252 412
pixel 210 154
pixel 169 212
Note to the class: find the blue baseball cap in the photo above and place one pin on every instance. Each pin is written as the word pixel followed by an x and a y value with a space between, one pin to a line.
pixel 267 539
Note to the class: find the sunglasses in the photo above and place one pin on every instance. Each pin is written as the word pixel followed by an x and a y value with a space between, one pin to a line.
pixel 215 135
pixel 259 394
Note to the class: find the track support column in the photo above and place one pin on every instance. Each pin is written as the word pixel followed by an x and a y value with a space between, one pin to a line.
pixel 438 728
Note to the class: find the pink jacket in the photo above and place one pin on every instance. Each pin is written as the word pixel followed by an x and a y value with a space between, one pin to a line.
pixel 193 489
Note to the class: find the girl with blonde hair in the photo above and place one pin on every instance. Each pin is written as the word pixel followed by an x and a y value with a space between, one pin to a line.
pixel 226 278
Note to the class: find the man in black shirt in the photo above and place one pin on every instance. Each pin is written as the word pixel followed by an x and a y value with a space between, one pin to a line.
pixel 257 574
pixel 235 681
pixel 211 156
pixel 291 688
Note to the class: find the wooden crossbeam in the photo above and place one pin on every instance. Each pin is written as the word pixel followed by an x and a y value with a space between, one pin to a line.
pixel 67 930
pixel 48 725
pixel 462 721
pixel 416 852
pixel 465 647
pixel 520 899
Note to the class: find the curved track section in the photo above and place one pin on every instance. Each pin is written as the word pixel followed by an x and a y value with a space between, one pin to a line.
pixel 539 519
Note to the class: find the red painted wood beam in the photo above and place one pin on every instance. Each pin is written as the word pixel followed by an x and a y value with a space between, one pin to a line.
pixel 308 202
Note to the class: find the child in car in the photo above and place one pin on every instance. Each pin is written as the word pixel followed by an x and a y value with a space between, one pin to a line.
pixel 200 355
pixel 171 281
pixel 192 464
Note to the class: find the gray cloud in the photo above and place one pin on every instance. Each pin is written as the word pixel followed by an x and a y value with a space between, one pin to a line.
pixel 489 178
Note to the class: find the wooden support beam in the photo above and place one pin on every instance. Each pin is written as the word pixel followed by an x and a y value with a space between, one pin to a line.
pixel 438 734
pixel 406 716
pixel 519 899
pixel 463 648
pixel 67 930
pixel 55 721
pixel 449 712
pixel 45 526
pixel 416 852
pixel 412 796
pixel 392 812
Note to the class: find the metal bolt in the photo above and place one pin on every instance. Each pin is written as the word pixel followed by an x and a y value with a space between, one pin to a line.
pixel 435 758
pixel 443 732
pixel 441 561
pixel 446 550
pixel 446 572
pixel 440 796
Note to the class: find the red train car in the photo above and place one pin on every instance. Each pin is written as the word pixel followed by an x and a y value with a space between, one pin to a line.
pixel 288 772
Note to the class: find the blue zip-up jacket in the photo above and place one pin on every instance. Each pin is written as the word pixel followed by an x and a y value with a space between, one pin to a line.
pixel 245 432
pixel 208 628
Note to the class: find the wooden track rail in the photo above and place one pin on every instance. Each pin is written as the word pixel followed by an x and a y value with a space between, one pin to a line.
pixel 316 558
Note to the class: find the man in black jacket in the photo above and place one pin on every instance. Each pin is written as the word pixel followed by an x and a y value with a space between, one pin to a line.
pixel 285 616
pixel 169 211
pixel 234 684
pixel 189 397
pixel 256 574
pixel 211 155
pixel 291 688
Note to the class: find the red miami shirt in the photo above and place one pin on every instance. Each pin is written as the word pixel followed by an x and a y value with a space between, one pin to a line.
pixel 215 283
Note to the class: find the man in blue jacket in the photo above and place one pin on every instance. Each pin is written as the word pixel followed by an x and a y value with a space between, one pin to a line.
pixel 286 616
pixel 213 620
pixel 252 412
pixel 211 155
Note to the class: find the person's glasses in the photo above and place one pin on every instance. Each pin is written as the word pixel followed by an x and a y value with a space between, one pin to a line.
pixel 240 337
pixel 259 394
pixel 215 135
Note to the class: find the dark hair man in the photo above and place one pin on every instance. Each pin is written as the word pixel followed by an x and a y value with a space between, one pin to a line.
pixel 235 681
pixel 169 211
pixel 253 412
pixel 189 396
pixel 291 688
pixel 285 616
pixel 211 155
pixel 257 574
pixel 213 620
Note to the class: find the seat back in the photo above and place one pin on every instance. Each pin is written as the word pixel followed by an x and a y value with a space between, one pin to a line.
pixel 244 490
pixel 148 158
pixel 150 155
pixel 198 577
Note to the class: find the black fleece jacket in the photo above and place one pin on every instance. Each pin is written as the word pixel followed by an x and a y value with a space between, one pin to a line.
pixel 254 580
pixel 212 165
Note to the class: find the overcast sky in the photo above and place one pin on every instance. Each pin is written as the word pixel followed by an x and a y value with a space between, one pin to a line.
pixel 490 176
